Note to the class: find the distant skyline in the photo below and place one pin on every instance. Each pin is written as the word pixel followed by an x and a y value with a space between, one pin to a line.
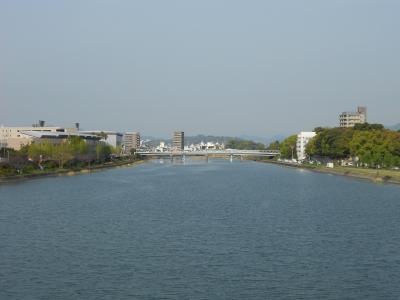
pixel 257 68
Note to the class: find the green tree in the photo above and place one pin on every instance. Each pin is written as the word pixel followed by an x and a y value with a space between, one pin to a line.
pixel 367 126
pixel 274 146
pixel 288 147
pixel 376 147
pixel 331 142
pixel 103 151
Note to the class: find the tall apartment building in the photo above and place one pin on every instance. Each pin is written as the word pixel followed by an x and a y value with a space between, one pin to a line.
pixel 178 140
pixel 349 119
pixel 302 140
pixel 131 141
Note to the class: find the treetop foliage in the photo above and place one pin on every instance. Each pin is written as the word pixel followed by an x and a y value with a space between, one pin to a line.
pixel 244 145
pixel 372 144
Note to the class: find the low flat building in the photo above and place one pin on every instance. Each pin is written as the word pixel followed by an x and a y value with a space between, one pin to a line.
pixel 349 119
pixel 302 140
pixel 58 137
pixel 111 138
pixel 16 137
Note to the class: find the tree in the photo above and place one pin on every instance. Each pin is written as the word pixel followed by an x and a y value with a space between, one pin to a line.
pixel 331 142
pixel 376 147
pixel 103 151
pixel 288 147
pixel 367 126
pixel 318 129
pixel 63 153
pixel 274 146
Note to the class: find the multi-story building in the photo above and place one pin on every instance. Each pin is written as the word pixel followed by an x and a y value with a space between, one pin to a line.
pixel 112 138
pixel 302 140
pixel 349 119
pixel 178 140
pixel 131 141
pixel 16 137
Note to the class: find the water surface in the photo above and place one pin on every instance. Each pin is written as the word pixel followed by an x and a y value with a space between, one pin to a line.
pixel 216 230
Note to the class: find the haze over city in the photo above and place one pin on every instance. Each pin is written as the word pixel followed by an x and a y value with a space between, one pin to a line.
pixel 215 67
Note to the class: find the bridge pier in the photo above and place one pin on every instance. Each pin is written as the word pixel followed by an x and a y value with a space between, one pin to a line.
pixel 231 158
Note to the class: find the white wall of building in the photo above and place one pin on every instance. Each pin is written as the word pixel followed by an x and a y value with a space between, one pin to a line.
pixel 302 140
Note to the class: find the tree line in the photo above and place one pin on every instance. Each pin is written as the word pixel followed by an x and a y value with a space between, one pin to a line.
pixel 73 152
pixel 371 145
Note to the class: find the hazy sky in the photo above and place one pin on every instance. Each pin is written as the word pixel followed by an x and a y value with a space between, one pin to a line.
pixel 206 66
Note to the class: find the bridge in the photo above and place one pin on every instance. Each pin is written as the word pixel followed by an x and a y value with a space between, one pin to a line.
pixel 214 153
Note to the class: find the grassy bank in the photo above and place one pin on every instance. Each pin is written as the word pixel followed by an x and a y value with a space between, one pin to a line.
pixel 70 171
pixel 375 175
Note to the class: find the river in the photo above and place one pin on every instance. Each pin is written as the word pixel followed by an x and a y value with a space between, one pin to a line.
pixel 198 230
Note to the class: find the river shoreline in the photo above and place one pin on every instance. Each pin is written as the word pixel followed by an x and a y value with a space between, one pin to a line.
pixel 372 175
pixel 70 172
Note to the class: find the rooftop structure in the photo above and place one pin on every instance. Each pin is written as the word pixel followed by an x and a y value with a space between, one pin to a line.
pixel 112 138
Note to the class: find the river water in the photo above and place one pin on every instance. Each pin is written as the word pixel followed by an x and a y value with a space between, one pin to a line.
pixel 198 230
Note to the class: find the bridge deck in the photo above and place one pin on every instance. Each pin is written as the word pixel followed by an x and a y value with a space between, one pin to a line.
pixel 228 152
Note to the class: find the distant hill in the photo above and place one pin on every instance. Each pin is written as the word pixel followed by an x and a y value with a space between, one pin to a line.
pixel 395 127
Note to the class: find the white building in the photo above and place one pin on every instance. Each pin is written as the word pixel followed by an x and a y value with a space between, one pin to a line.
pixel 205 146
pixel 302 140
pixel 162 147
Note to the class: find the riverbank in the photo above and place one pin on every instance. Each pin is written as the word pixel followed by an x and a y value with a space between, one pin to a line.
pixel 374 175
pixel 70 172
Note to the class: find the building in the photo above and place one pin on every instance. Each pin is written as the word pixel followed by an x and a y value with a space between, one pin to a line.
pixel 349 119
pixel 162 147
pixel 59 137
pixel 17 137
pixel 111 138
pixel 302 140
pixel 205 146
pixel 131 141
pixel 178 141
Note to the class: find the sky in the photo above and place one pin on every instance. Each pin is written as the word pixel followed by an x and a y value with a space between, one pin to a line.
pixel 252 67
